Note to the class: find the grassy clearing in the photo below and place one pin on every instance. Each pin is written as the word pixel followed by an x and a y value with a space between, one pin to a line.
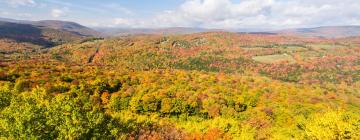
pixel 309 55
pixel 274 58
pixel 325 46
pixel 290 49
pixel 287 49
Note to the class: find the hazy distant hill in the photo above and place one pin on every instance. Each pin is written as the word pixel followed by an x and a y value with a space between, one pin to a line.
pixel 15 20
pixel 67 26
pixel 75 28
pixel 166 31
pixel 29 33
pixel 326 31
pixel 58 25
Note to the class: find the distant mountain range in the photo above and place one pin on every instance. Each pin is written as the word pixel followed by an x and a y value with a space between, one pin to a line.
pixel 80 30
pixel 46 33
pixel 323 32
pixel 326 31
pixel 164 31
pixel 58 25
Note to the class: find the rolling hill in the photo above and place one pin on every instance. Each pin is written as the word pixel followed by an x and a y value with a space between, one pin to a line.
pixel 325 31
pixel 158 31
pixel 42 36
pixel 67 26
pixel 26 36
pixel 215 84
pixel 75 28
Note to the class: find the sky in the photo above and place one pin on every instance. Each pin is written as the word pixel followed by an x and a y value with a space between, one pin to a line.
pixel 216 14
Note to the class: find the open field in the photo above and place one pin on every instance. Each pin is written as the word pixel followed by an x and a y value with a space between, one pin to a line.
pixel 275 58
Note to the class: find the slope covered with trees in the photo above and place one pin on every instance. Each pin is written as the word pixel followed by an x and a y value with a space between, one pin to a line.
pixel 200 86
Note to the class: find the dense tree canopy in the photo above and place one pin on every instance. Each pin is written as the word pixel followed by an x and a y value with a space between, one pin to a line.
pixel 200 86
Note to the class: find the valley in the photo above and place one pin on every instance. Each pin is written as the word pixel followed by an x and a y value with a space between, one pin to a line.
pixel 211 85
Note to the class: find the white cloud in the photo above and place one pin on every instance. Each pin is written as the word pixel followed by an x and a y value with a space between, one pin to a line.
pixel 258 14
pixel 56 13
pixel 24 15
pixel 15 3
pixel 247 13
pixel 116 8
pixel 4 13
pixel 123 22
pixel 224 14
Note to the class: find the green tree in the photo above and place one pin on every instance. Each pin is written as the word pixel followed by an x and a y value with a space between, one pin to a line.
pixel 77 118
pixel 26 117
pixel 5 96
pixel 166 105
pixel 149 103
pixel 332 126
pixel 22 85
pixel 118 103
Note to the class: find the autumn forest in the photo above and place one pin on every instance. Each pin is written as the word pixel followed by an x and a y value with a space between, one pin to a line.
pixel 200 86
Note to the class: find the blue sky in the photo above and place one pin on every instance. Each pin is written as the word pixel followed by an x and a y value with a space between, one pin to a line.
pixel 221 14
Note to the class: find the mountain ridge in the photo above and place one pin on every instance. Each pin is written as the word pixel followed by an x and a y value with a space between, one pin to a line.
pixel 58 25
pixel 324 31
pixel 321 31
pixel 159 31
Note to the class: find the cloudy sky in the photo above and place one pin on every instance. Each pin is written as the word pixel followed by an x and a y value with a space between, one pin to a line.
pixel 220 14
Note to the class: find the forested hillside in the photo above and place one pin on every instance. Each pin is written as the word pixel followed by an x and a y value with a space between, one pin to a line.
pixel 214 85
pixel 22 39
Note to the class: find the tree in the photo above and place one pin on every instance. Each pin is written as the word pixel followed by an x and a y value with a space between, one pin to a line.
pixel 166 105
pixel 118 103
pixel 5 96
pixel 22 85
pixel 77 118
pixel 149 103
pixel 26 117
pixel 332 125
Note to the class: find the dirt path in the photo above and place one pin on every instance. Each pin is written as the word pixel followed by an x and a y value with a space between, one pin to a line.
pixel 91 59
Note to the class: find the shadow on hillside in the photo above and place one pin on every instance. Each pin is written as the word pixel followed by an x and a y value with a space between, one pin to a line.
pixel 23 33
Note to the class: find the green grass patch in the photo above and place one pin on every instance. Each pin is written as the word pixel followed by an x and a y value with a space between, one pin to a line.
pixel 274 58
pixel 325 46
